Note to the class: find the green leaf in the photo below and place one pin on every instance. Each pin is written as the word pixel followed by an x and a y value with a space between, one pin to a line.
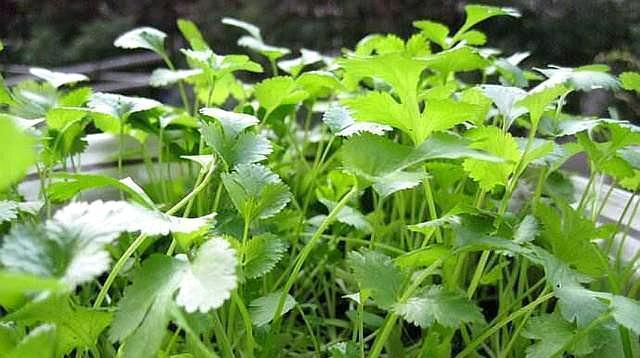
pixel 263 309
pixel 507 100
pixel 397 181
pixel 626 311
pixel 252 29
pixel 539 98
pixel 71 184
pixel 436 304
pixel 277 91
pixel 423 257
pixel 119 107
pixel 17 286
pixel 379 44
pixel 256 191
pixel 579 305
pixel 377 274
pixel 380 108
pixel 208 279
pixel 77 327
pixel 164 77
pixel 190 32
pixel 57 79
pixel 443 114
pixel 17 153
pixel 144 311
pixel 434 31
pixel 71 246
pixel 349 216
pixel 570 236
pixel 552 332
pixel 399 71
pixel 261 254
pixel 233 123
pixel 526 230
pixel 143 37
pixel 270 52
pixel 579 79
pixel 478 13
pixel 496 142
pixel 458 59
pixel 295 65
pixel 630 81
pixel 342 124
pixel 63 117
pixel 40 342
pixel 5 94
pixel 318 83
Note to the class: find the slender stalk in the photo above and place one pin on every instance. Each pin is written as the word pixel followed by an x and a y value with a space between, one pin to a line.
pixel 390 321
pixel 141 238
pixel 300 259
pixel 493 329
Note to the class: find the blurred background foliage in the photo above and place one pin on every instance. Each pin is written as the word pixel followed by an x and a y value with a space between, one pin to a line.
pixel 561 32
pixel 50 33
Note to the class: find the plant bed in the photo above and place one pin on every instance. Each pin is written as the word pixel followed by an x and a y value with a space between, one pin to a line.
pixel 406 198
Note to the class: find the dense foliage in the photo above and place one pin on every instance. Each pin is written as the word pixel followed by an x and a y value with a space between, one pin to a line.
pixel 425 215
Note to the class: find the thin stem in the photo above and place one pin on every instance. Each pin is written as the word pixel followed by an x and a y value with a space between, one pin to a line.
pixel 493 329
pixel 300 259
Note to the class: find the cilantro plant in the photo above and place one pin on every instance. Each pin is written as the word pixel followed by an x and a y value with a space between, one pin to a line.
pixel 407 198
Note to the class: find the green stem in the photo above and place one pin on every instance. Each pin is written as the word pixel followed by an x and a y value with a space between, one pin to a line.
pixel 392 316
pixel 140 239
pixel 300 259
pixel 221 337
pixel 493 329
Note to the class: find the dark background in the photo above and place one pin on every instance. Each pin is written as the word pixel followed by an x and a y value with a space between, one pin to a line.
pixel 562 32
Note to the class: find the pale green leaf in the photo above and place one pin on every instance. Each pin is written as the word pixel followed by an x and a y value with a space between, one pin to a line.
pixel 163 77
pixel 209 278
pixel 144 311
pixel 377 274
pixel 69 185
pixel 626 311
pixel 552 332
pixel 119 106
pixel 263 309
pixel 71 246
pixel 436 304
pixel 143 37
pixel 342 123
pixel 349 216
pixel 57 79
pixel 252 29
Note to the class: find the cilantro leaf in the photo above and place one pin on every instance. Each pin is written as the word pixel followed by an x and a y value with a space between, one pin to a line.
pixel 143 312
pixel 261 254
pixel 494 141
pixel 143 37
pixel 57 79
pixel 76 326
pixel 256 191
pixel 209 279
pixel 436 304
pixel 17 153
pixel 377 274
pixel 263 309
pixel 342 123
